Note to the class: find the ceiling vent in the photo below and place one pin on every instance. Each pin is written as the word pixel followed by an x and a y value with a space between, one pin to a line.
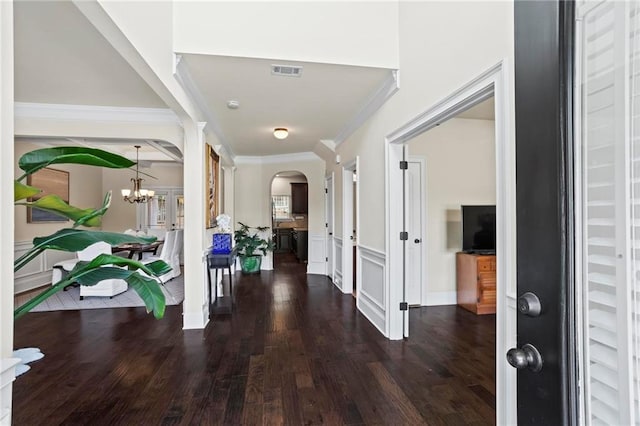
pixel 286 70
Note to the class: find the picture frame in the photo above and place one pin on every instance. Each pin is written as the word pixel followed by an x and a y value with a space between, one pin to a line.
pixel 50 181
pixel 212 186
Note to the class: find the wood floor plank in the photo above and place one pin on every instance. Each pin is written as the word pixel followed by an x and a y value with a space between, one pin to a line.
pixel 295 351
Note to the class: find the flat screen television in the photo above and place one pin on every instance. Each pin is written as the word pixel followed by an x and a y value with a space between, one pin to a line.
pixel 479 229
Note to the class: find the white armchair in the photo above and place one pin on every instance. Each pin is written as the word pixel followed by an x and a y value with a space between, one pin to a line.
pixel 110 287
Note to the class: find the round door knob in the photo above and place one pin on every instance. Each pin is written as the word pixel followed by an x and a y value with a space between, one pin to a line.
pixel 529 304
pixel 527 357
pixel 417 240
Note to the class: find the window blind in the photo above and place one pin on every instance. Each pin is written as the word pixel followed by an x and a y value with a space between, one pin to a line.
pixel 610 170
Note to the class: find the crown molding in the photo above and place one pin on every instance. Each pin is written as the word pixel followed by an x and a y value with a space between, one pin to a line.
pixel 274 159
pixel 182 74
pixel 389 86
pixel 95 113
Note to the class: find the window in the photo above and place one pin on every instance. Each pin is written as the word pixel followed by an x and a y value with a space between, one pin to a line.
pixel 281 206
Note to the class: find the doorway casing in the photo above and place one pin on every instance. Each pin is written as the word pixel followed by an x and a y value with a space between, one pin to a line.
pixel 493 82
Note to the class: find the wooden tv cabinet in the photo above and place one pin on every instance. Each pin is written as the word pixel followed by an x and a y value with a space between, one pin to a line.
pixel 476 282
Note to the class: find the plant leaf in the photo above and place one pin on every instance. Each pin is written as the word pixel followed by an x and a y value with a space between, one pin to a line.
pixel 79 239
pixel 101 268
pixel 156 268
pixel 54 204
pixel 75 240
pixel 22 191
pixel 150 292
pixel 33 161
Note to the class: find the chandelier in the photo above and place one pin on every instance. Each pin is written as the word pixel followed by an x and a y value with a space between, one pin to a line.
pixel 139 195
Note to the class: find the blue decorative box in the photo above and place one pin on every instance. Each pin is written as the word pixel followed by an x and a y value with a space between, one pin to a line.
pixel 221 244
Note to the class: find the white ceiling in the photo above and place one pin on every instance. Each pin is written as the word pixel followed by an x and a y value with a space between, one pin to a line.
pixel 60 58
pixel 315 106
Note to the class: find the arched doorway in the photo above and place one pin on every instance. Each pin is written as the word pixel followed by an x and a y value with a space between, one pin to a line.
pixel 289 218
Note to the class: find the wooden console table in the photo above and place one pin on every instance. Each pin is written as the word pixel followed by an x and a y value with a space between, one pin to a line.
pixel 223 303
pixel 476 282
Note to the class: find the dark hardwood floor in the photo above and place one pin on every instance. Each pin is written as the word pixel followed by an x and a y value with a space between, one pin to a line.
pixel 295 351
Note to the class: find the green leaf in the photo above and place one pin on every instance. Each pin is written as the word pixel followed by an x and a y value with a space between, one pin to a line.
pixel 155 268
pixel 22 191
pixel 75 240
pixel 33 161
pixel 150 292
pixel 54 204
pixel 79 239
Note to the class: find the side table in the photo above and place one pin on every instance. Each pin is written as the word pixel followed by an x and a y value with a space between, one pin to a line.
pixel 223 304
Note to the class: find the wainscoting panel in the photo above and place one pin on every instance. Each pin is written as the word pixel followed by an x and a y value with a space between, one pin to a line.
pixel 317 254
pixel 371 299
pixel 37 272
pixel 338 258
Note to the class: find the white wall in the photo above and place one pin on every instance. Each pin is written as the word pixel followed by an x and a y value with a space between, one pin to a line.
pixel 350 33
pixel 461 170
pixel 443 46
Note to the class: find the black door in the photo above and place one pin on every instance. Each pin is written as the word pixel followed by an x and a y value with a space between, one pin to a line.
pixel 544 140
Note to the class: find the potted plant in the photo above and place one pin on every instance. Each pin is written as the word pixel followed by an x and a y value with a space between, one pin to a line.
pixel 251 246
pixel 142 278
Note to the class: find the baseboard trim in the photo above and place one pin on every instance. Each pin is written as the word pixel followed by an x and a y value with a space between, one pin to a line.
pixel 441 298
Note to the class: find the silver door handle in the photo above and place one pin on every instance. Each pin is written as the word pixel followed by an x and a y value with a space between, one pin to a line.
pixel 527 357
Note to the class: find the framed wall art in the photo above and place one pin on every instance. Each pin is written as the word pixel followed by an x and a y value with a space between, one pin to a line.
pixel 212 186
pixel 50 181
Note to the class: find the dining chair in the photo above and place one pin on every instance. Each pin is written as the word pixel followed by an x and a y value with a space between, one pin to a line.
pixel 165 255
pixel 175 253
pixel 109 287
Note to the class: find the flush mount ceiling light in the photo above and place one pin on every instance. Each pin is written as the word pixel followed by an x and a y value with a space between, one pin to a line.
pixel 280 133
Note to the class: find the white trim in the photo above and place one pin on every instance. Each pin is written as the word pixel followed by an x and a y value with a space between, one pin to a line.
pixel 387 88
pixel 183 76
pixel 95 113
pixel 7 376
pixel 329 143
pixel 440 298
pixel 347 225
pixel 337 277
pixel 494 81
pixel 316 254
pixel 196 321
pixel 273 159
pixel 372 309
pixel 330 219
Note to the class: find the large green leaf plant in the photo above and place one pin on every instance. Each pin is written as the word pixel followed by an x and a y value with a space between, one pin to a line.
pixel 73 239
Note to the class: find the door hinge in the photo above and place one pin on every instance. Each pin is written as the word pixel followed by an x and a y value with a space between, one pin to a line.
pixel 326 225
pixel 404 165
pixel 404 306
pixel 326 259
pixel 326 190
pixel 404 236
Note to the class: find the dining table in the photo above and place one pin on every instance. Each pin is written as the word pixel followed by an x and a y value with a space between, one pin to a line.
pixel 138 248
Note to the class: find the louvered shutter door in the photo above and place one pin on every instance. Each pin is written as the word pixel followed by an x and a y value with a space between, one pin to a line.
pixel 610 164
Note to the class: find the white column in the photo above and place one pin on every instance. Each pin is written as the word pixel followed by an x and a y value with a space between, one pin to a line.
pixel 6 210
pixel 196 309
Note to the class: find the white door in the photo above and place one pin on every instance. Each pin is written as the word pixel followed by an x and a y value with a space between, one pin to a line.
pixel 164 212
pixel 415 217
pixel 329 225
